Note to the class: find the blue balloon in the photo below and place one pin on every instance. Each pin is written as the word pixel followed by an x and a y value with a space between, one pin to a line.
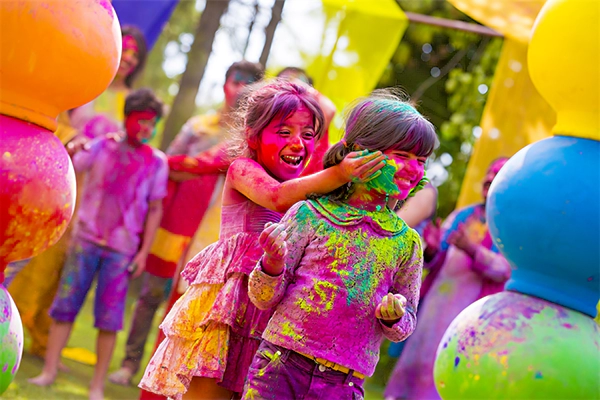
pixel 551 235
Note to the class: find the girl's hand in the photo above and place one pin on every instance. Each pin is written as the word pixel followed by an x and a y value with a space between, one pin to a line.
pixel 362 166
pixel 432 235
pixel 391 308
pixel 182 162
pixel 461 239
pixel 272 241
pixel 77 144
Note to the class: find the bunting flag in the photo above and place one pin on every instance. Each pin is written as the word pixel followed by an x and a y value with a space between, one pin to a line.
pixel 148 15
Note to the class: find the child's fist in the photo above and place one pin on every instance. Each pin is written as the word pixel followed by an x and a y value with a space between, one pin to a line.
pixel 391 308
pixel 272 241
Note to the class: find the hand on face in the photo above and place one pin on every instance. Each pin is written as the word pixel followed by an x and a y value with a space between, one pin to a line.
pixel 460 238
pixel 272 241
pixel 284 147
pixel 391 308
pixel 362 166
pixel 411 169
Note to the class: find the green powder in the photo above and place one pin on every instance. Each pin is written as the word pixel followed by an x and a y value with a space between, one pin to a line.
pixel 384 183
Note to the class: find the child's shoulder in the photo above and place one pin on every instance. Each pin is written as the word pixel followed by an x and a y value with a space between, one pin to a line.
pixel 242 165
pixel 159 155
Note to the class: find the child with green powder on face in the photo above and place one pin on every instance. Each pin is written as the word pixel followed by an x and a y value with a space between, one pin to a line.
pixel 343 271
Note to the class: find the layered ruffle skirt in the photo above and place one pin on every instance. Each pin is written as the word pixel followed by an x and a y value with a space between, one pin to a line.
pixel 213 330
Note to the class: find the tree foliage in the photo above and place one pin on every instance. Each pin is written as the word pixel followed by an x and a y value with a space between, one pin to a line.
pixel 174 41
pixel 449 73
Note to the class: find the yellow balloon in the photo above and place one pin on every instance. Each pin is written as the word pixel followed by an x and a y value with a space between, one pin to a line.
pixel 564 64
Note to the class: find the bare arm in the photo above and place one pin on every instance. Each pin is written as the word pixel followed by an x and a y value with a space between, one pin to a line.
pixel 213 161
pixel 155 212
pixel 419 208
pixel 491 265
pixel 251 180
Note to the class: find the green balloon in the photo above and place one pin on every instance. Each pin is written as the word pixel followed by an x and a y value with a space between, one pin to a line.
pixel 11 339
pixel 513 346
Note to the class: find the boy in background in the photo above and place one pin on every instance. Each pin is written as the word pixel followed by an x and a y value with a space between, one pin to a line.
pixel 119 214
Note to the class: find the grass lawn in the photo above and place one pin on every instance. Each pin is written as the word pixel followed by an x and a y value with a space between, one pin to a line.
pixel 73 385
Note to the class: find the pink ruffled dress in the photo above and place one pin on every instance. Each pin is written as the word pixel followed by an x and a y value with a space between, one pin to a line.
pixel 214 329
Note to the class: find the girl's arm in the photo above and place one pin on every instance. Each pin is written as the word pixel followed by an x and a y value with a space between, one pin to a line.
pixel 212 161
pixel 250 179
pixel 492 266
pixel 284 244
pixel 407 283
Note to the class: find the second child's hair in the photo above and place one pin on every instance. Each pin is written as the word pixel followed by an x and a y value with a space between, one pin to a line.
pixel 255 70
pixel 383 121
pixel 142 100
pixel 298 72
pixel 265 101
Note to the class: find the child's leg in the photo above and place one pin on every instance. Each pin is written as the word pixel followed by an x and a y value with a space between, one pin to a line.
pixel 76 279
pixel 206 388
pixel 151 296
pixel 57 340
pixel 105 346
pixel 109 310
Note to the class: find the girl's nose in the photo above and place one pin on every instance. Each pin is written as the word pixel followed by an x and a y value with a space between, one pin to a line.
pixel 296 142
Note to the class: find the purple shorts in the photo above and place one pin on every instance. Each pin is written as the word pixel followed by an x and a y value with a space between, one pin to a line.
pixel 278 373
pixel 84 261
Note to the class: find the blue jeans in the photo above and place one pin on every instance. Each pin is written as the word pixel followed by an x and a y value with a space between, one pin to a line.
pixel 84 261
pixel 278 373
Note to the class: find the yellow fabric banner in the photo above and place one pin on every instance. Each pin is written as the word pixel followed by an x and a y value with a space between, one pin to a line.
pixel 358 41
pixel 515 114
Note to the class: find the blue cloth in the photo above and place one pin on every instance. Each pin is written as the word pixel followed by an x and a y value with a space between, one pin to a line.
pixel 148 15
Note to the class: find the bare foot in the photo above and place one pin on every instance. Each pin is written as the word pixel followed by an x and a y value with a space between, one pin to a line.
pixel 43 379
pixel 63 368
pixel 121 377
pixel 96 394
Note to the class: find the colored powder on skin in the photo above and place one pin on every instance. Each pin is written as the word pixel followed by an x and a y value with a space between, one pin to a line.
pixel 384 183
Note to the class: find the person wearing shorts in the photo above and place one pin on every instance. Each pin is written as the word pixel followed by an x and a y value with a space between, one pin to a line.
pixel 119 213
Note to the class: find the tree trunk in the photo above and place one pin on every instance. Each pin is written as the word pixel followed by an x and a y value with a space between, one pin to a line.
pixel 276 12
pixel 250 27
pixel 184 103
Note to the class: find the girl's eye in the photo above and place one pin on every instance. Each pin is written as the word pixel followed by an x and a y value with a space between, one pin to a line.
pixel 308 135
pixel 284 133
pixel 422 161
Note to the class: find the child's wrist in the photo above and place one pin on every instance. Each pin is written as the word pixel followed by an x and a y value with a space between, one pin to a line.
pixel 270 266
pixel 342 175
pixel 390 322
